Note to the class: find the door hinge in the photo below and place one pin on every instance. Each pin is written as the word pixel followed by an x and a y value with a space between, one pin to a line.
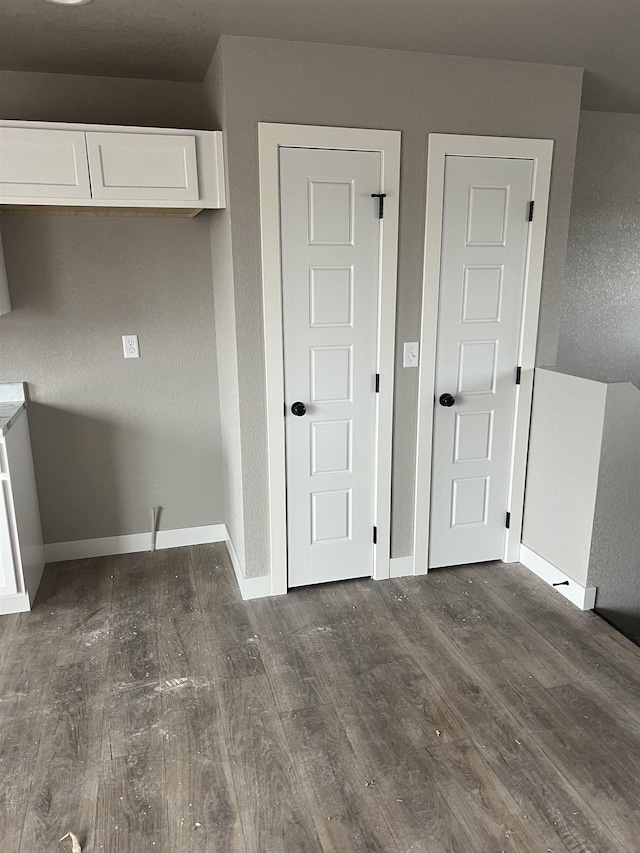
pixel 518 375
pixel 381 197
pixel 377 383
pixel 375 535
pixel 531 205
pixel 508 522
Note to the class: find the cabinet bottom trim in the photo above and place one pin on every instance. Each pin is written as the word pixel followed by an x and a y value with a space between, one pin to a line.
pixel 14 604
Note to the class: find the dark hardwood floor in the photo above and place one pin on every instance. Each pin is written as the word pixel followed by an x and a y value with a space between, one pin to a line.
pixel 146 708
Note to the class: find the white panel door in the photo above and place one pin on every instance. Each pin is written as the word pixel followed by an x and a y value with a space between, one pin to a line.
pixel 330 277
pixel 484 246
pixel 143 166
pixel 38 163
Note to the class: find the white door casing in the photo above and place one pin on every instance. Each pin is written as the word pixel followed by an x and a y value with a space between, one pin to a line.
pixel 330 261
pixel 442 146
pixel 482 272
pixel 271 138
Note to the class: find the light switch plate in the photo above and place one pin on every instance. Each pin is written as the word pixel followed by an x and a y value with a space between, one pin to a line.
pixel 411 354
pixel 130 346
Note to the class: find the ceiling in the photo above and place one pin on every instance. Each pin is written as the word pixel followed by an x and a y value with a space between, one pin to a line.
pixel 175 39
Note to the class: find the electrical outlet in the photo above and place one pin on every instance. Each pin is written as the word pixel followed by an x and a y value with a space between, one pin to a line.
pixel 411 351
pixel 130 346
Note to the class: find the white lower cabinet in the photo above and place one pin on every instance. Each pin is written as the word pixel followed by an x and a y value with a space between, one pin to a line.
pixel 21 549
pixel 8 576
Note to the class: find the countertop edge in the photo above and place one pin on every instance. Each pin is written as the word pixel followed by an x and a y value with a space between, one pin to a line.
pixel 7 423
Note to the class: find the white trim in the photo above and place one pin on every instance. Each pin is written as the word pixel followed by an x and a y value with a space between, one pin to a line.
pixel 180 537
pixel 137 542
pixel 211 180
pixel 441 145
pixel 249 587
pixel 19 603
pixel 111 545
pixel 387 142
pixel 401 567
pixel 582 597
pixel 33 576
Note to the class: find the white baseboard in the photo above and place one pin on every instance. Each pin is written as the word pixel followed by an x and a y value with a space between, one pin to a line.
pixel 83 549
pixel 249 587
pixel 261 587
pixel 582 597
pixel 401 567
pixel 191 536
pixel 111 545
pixel 32 575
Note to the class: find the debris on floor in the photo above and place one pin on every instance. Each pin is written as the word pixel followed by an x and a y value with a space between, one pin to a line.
pixel 75 844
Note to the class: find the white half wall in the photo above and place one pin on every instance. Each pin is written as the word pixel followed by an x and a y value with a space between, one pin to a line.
pixel 562 473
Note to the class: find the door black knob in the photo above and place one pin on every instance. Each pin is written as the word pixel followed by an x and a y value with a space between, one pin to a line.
pixel 299 409
pixel 447 400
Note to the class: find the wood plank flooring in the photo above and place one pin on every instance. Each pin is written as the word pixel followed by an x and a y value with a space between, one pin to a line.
pixel 146 708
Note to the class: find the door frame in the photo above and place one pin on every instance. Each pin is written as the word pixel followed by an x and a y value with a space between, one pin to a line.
pixel 387 142
pixel 442 145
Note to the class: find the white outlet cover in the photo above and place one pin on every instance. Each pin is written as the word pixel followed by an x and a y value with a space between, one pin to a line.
pixel 130 346
pixel 411 354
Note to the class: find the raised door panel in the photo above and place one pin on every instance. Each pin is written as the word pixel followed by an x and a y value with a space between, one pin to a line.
pixel 39 163
pixel 143 166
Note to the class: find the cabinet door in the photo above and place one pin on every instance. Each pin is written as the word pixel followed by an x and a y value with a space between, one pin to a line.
pixel 37 163
pixel 159 167
pixel 8 585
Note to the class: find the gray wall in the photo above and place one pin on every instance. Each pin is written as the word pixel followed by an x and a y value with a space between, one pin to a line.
pixel 34 96
pixel 226 341
pixel 112 437
pixel 614 565
pixel 278 81
pixel 600 328
pixel 600 336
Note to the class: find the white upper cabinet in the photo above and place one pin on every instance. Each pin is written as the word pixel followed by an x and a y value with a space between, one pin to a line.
pixel 41 163
pixel 82 165
pixel 143 166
